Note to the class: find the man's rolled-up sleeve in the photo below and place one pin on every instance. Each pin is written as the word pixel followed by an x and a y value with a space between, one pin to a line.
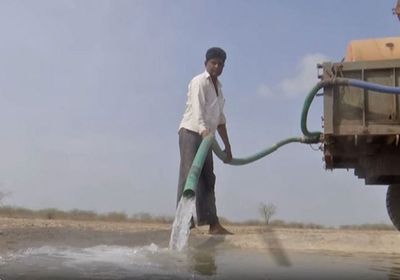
pixel 198 96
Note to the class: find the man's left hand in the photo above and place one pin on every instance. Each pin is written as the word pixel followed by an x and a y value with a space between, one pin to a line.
pixel 228 153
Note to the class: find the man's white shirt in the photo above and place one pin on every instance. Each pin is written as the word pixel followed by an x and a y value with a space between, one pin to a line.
pixel 204 108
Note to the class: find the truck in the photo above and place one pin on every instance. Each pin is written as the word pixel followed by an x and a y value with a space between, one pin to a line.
pixel 361 127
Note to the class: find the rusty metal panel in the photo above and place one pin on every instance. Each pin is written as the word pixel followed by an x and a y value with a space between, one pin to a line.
pixel 355 111
pixel 362 127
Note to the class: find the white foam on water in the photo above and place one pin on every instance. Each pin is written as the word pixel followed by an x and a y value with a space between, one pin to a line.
pixel 102 260
pixel 100 253
pixel 181 226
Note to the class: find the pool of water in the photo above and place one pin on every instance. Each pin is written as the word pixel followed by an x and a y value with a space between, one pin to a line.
pixel 205 261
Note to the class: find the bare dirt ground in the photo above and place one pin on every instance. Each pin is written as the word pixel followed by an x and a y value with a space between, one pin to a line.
pixel 18 234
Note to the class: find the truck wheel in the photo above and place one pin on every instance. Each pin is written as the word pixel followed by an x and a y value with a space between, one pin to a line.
pixel 393 204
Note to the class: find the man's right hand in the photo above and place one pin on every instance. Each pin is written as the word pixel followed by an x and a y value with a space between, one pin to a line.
pixel 228 153
pixel 205 133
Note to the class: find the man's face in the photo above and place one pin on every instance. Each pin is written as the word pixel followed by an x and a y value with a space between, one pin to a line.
pixel 214 66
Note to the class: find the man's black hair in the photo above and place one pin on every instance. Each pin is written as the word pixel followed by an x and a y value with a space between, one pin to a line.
pixel 215 52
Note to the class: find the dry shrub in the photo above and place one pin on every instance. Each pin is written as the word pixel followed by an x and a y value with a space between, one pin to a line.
pixel 115 217
pixel 380 226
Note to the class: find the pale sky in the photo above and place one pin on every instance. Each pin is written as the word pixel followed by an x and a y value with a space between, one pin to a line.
pixel 92 93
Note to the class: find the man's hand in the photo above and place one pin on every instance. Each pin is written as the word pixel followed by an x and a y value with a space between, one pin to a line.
pixel 228 154
pixel 205 133
pixel 224 136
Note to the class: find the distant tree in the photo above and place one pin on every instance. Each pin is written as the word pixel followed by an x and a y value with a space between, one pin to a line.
pixel 267 211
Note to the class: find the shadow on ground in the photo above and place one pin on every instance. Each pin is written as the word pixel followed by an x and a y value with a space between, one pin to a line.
pixel 275 247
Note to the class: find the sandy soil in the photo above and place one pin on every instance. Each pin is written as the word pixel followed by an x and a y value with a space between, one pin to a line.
pixel 23 233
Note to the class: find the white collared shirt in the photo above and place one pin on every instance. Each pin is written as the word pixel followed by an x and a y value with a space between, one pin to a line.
pixel 204 108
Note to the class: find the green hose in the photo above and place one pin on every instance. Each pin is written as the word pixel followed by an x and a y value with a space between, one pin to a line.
pixel 201 154
pixel 242 161
pixel 306 108
pixel 309 137
pixel 197 165
pixel 316 135
pixel 198 162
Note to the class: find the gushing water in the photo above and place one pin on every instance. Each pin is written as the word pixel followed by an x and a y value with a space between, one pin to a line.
pixel 98 262
pixel 181 226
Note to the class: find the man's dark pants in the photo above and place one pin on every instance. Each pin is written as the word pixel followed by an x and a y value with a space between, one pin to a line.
pixel 189 142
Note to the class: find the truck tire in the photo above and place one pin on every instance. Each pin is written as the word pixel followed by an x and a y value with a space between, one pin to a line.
pixel 393 204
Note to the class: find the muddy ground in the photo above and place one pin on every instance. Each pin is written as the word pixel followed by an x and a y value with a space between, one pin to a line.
pixel 18 234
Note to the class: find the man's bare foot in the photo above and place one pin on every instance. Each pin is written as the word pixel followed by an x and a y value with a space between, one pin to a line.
pixel 192 225
pixel 218 229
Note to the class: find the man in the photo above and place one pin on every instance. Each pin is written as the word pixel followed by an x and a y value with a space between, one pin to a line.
pixel 204 115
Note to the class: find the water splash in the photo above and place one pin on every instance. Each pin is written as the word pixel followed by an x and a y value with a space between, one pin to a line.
pixel 181 226
pixel 101 254
pixel 98 262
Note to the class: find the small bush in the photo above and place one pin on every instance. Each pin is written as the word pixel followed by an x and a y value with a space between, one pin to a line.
pixel 16 212
pixel 115 217
pixel 51 214
pixel 77 214
pixel 380 226
pixel 253 222
pixel 148 218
